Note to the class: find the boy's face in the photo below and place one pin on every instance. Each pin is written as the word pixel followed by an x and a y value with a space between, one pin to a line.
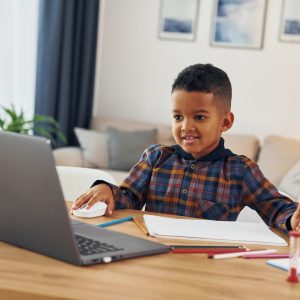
pixel 198 121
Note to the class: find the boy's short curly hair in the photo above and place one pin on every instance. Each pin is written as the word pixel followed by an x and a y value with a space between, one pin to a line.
pixel 205 78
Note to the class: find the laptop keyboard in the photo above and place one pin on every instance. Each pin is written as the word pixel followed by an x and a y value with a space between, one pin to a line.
pixel 89 246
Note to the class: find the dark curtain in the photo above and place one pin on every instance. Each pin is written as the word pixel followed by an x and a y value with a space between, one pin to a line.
pixel 66 60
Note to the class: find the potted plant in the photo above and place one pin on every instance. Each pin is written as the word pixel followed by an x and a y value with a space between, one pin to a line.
pixel 48 127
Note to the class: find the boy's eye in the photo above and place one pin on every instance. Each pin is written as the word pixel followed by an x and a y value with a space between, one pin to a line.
pixel 178 117
pixel 200 117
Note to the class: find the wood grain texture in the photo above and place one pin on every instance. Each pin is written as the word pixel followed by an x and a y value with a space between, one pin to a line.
pixel 27 275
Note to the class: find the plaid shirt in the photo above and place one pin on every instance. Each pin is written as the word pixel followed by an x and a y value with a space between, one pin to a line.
pixel 217 186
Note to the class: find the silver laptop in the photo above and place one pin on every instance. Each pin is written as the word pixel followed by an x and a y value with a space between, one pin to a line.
pixel 33 213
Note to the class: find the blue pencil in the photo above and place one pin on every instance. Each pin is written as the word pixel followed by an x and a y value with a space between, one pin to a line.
pixel 117 221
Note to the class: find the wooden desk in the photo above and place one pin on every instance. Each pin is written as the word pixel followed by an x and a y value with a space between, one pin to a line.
pixel 27 275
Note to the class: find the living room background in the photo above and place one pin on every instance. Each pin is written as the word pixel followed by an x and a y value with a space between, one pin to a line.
pixel 136 69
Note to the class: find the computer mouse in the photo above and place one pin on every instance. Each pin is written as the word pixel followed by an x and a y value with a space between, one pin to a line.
pixel 97 210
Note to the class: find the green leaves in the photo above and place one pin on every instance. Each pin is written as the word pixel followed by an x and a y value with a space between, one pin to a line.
pixel 48 127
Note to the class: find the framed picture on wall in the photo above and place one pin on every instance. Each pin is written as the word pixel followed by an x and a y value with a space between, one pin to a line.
pixel 238 23
pixel 178 19
pixel 290 21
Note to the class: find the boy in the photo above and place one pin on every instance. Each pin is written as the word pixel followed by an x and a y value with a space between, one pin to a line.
pixel 198 177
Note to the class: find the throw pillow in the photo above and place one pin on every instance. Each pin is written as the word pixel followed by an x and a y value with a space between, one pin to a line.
pixel 94 146
pixel 290 183
pixel 277 156
pixel 126 147
pixel 242 144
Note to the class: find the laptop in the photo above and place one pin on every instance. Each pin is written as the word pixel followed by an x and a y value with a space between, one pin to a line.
pixel 34 216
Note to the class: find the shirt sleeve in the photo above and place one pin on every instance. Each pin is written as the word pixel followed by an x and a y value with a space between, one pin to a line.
pixel 259 194
pixel 132 193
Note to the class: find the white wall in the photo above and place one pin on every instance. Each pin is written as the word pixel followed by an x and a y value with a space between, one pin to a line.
pixel 136 69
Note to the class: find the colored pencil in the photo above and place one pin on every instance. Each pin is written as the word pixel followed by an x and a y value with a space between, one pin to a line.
pixel 238 254
pixel 204 247
pixel 140 225
pixel 273 256
pixel 116 221
pixel 208 250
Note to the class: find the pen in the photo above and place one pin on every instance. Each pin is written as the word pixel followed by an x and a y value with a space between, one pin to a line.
pixel 237 254
pixel 117 221
pixel 208 250
pixel 140 225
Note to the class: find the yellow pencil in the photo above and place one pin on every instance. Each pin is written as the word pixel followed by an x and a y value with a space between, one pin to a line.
pixel 140 225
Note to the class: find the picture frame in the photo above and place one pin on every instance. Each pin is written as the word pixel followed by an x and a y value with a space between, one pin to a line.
pixel 178 19
pixel 239 23
pixel 290 21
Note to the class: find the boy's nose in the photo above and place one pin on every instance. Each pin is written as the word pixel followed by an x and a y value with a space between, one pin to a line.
pixel 187 126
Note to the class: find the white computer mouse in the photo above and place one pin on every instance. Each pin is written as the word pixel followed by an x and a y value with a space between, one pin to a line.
pixel 97 210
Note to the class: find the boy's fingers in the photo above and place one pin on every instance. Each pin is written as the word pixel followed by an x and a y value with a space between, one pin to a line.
pixel 298 218
pixel 92 201
pixel 109 202
pixel 102 193
pixel 110 206
pixel 81 200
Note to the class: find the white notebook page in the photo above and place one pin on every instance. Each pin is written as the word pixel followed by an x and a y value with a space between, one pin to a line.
pixel 220 231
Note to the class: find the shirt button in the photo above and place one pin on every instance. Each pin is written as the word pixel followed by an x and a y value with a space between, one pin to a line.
pixel 192 166
pixel 184 191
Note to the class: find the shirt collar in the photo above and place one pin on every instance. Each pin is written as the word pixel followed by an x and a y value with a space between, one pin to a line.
pixel 218 153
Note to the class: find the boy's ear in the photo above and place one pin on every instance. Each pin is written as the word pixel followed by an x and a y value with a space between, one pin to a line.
pixel 227 121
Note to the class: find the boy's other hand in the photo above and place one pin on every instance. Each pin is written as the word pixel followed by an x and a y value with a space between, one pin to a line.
pixel 101 192
pixel 295 220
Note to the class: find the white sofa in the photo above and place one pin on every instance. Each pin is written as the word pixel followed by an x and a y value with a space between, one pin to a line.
pixel 101 147
pixel 94 151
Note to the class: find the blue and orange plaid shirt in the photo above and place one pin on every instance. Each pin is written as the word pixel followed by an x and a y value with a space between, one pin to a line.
pixel 218 186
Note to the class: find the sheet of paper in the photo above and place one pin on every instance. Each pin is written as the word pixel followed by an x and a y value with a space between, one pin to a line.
pixel 282 264
pixel 221 231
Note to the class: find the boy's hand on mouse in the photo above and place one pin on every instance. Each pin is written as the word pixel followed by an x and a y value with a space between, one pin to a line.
pixel 101 192
pixel 295 220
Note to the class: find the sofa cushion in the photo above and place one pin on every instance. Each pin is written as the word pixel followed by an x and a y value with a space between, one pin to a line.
pixel 126 147
pixel 94 146
pixel 290 183
pixel 68 156
pixel 277 156
pixel 242 144
pixel 164 132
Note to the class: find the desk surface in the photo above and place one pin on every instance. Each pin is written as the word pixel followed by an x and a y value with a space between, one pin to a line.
pixel 27 275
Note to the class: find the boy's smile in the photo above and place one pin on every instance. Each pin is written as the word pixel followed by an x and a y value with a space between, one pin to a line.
pixel 198 121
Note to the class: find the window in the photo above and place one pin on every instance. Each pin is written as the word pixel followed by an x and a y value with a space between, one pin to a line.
pixel 18 35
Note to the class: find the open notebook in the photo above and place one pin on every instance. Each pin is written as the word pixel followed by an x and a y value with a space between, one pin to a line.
pixel 219 231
